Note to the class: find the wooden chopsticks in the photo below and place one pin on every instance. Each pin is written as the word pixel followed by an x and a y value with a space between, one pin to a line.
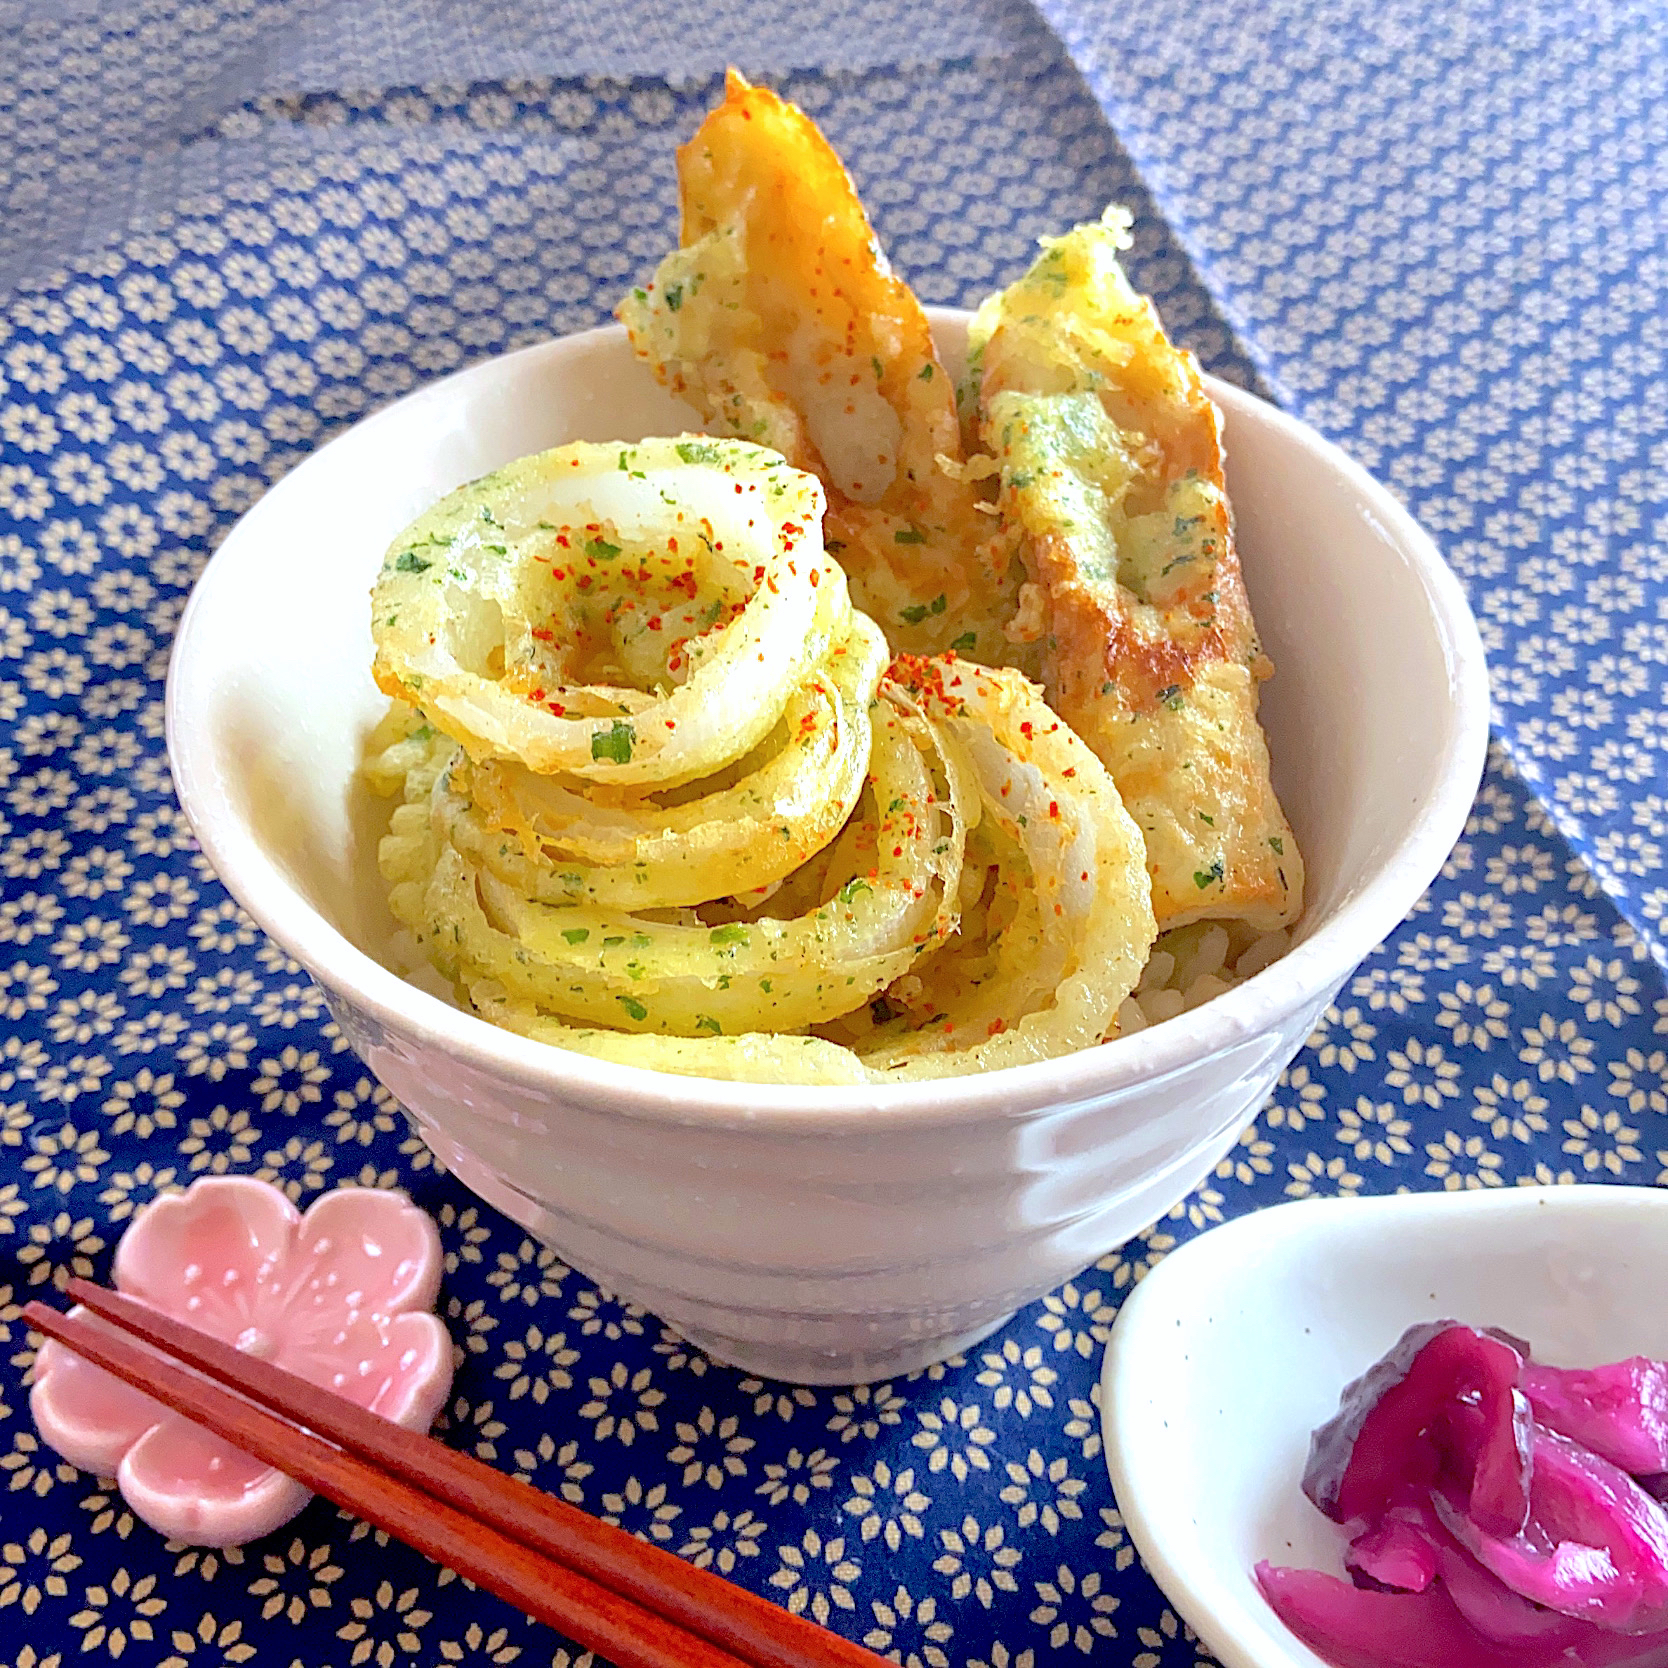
pixel 636 1604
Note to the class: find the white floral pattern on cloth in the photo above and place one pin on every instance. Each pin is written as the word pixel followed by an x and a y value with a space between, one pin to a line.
pixel 312 256
pixel 1444 246
pixel 101 109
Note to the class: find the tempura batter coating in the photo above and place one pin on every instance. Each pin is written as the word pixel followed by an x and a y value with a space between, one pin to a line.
pixel 780 321
pixel 1112 487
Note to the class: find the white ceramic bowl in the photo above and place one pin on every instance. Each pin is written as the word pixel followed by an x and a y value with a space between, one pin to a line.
pixel 817 1234
pixel 1236 1346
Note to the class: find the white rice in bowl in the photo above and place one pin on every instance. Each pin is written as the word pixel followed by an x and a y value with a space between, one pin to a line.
pixel 1190 965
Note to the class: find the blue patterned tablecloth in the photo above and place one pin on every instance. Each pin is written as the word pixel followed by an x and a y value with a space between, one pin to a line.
pixel 229 229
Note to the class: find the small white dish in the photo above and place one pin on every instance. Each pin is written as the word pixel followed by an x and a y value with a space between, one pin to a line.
pixel 1236 1346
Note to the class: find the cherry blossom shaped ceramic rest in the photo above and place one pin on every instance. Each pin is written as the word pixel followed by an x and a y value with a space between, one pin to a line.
pixel 341 1296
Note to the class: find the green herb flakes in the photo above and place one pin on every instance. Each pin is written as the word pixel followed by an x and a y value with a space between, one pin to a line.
pixel 614 743
pixel 918 611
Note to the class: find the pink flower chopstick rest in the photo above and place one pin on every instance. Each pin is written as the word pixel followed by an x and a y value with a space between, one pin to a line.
pixel 341 1296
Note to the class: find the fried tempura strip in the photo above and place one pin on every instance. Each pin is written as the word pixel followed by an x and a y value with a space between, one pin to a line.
pixel 1112 482
pixel 780 321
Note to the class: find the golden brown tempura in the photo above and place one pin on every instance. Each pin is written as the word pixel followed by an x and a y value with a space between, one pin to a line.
pixel 1112 486
pixel 780 321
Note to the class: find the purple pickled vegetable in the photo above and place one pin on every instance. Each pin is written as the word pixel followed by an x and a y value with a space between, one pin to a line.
pixel 1442 1409
pixel 1495 1611
pixel 1595 1545
pixel 1485 1601
pixel 1497 1523
pixel 1394 1554
pixel 1619 1411
pixel 1355 1629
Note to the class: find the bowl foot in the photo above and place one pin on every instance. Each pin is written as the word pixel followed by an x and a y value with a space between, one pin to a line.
pixel 801 1364
pixel 794 1362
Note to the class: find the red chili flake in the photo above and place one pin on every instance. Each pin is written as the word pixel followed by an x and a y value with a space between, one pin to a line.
pixel 535 694
pixel 897 851
pixel 1070 770
pixel 544 634
pixel 996 1028
pixel 816 579
pixel 654 623
pixel 557 708
pixel 1054 809
pixel 1025 729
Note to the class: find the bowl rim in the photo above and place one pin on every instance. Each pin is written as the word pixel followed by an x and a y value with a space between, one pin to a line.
pixel 1307 971
pixel 1241 1633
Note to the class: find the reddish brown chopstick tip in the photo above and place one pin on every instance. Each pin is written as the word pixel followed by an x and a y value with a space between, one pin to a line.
pixel 748 1627
pixel 591 1615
